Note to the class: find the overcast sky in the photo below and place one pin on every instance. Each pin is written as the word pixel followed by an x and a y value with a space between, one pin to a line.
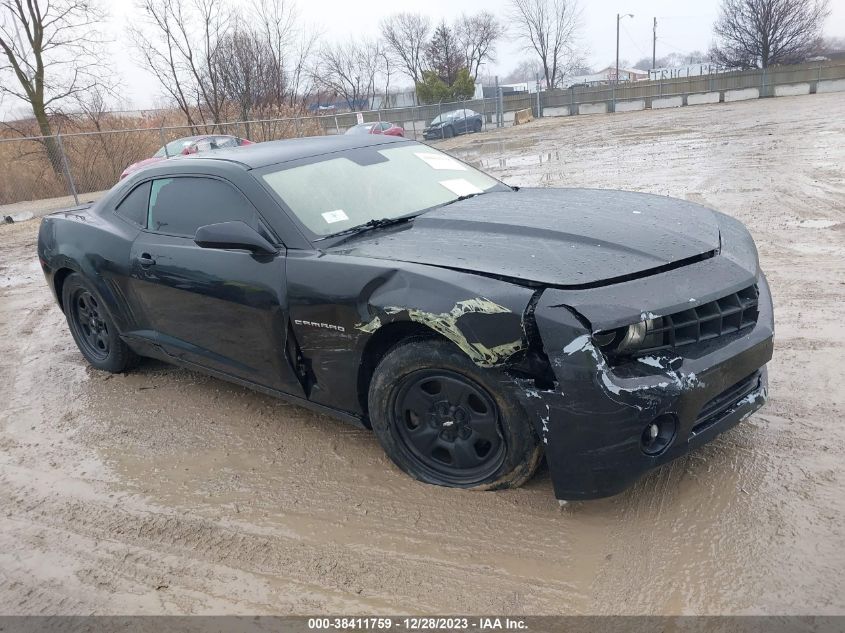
pixel 683 26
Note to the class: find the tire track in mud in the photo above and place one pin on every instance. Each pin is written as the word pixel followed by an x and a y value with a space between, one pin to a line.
pixel 323 568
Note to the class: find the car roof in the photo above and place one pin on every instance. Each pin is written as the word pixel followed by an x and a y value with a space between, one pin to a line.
pixel 199 137
pixel 274 152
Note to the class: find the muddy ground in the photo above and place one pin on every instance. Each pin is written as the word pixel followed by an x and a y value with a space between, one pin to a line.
pixel 164 491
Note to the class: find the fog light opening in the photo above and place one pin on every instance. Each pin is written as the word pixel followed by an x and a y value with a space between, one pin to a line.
pixel 658 434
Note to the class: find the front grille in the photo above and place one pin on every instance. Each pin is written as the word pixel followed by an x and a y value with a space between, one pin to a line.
pixel 712 411
pixel 704 322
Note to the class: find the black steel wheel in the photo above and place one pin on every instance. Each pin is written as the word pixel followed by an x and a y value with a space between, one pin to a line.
pixel 444 420
pixel 92 327
pixel 87 316
pixel 450 424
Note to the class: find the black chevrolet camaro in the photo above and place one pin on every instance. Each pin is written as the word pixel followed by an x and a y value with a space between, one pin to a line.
pixel 473 326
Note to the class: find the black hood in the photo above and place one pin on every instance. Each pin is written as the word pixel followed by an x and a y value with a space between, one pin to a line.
pixel 561 237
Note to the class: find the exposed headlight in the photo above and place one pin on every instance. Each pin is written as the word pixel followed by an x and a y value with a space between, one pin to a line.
pixel 634 337
pixel 631 338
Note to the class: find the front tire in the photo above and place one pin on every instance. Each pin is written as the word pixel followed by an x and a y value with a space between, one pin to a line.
pixel 446 421
pixel 448 132
pixel 92 327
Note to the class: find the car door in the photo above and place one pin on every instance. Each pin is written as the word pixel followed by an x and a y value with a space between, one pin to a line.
pixel 467 120
pixel 459 122
pixel 224 309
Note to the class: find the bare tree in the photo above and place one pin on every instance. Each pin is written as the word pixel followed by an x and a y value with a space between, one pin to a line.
pixel 674 59
pixel 349 70
pixel 406 36
pixel 477 35
pixel 550 29
pixel 52 52
pixel 290 45
pixel 762 33
pixel 523 71
pixel 181 53
pixel 247 71
pixel 833 45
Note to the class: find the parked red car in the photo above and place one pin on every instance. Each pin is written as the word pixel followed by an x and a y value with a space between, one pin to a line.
pixel 377 127
pixel 188 145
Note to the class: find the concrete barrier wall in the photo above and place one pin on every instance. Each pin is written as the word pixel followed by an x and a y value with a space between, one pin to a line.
pixel 667 102
pixel 592 108
pixel 556 111
pixel 792 90
pixel 523 116
pixel 831 85
pixel 741 95
pixel 704 97
pixel 630 106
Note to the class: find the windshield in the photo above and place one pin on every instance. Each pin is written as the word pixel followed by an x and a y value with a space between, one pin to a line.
pixel 174 148
pixel 337 192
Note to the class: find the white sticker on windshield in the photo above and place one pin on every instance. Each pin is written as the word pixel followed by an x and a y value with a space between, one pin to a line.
pixel 440 161
pixel 460 187
pixel 335 216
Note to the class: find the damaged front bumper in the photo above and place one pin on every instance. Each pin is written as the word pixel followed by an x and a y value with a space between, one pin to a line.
pixel 604 426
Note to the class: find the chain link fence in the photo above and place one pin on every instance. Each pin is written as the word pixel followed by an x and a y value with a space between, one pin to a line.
pixel 78 167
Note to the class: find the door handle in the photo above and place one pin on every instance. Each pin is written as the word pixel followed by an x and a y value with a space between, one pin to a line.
pixel 146 260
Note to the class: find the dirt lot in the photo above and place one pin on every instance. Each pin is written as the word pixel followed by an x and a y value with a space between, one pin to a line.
pixel 164 491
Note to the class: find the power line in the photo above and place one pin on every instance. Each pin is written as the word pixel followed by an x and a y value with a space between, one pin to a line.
pixel 631 39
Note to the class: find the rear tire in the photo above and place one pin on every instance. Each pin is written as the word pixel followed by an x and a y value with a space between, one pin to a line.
pixel 93 328
pixel 446 421
pixel 476 127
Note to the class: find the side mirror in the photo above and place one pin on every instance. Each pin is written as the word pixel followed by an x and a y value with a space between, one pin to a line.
pixel 233 235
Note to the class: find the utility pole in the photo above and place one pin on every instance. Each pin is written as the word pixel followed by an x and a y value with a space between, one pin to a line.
pixel 617 47
pixel 618 18
pixel 654 47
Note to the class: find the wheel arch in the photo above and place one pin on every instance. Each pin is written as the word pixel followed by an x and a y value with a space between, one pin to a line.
pixel 380 343
pixel 59 278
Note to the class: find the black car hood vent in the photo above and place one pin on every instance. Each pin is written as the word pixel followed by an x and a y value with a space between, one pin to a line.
pixel 572 238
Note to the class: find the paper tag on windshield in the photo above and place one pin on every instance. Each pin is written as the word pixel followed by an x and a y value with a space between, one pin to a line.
pixel 440 161
pixel 460 187
pixel 335 216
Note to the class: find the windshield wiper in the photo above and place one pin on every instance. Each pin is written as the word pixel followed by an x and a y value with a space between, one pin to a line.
pixel 373 224
pixel 466 196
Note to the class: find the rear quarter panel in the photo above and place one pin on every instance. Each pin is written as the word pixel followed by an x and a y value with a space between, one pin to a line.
pixel 97 247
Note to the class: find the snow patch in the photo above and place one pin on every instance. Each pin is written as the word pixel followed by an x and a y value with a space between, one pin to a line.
pixel 817 223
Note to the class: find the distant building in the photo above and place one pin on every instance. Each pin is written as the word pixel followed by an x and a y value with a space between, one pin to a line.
pixel 523 87
pixel 402 99
pixel 607 75
pixel 693 70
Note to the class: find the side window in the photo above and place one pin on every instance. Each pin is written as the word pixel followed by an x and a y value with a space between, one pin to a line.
pixel 179 206
pixel 385 125
pixel 134 206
